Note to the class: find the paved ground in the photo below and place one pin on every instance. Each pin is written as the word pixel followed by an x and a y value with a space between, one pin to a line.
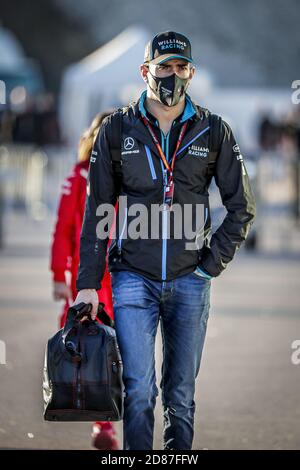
pixel 247 391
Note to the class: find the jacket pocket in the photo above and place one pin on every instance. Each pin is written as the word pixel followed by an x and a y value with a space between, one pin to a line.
pixel 201 275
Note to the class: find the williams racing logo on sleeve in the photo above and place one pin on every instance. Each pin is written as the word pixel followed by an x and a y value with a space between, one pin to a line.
pixel 197 151
pixel 236 150
pixel 239 157
pixel 129 146
pixel 93 156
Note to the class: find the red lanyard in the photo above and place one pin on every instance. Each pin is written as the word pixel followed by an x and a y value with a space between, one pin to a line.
pixel 161 153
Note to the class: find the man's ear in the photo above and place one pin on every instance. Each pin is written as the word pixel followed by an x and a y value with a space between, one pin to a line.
pixel 192 72
pixel 144 72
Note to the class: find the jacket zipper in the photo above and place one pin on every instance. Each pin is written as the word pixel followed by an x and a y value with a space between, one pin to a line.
pixel 165 149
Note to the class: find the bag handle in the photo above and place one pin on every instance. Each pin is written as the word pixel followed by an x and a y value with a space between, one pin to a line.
pixel 74 315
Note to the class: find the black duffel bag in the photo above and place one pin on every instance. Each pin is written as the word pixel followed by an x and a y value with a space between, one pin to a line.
pixel 83 370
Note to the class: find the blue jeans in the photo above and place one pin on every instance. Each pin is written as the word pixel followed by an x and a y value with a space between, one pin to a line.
pixel 182 305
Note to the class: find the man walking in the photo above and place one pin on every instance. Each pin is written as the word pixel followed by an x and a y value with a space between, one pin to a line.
pixel 162 151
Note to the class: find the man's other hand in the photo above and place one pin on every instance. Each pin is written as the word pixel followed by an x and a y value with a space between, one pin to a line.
pixel 61 291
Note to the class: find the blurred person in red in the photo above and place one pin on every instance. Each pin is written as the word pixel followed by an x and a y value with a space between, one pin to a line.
pixel 65 253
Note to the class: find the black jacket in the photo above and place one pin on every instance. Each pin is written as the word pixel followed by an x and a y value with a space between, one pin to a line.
pixel 164 257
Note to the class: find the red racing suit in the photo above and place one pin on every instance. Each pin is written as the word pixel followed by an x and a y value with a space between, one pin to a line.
pixel 66 237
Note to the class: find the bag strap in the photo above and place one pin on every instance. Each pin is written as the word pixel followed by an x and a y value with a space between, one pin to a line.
pixel 215 124
pixel 115 147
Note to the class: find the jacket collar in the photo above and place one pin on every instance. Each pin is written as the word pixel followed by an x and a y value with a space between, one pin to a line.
pixel 138 129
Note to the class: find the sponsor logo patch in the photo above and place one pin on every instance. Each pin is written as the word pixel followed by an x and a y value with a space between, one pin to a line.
pixel 128 143
pixel 129 146
pixel 93 159
pixel 198 151
pixel 236 149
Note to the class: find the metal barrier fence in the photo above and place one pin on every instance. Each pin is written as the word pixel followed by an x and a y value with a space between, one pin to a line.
pixel 31 178
pixel 278 202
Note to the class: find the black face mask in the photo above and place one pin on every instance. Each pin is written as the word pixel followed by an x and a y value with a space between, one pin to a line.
pixel 168 89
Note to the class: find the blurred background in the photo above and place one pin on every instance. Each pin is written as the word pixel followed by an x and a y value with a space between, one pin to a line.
pixel 62 62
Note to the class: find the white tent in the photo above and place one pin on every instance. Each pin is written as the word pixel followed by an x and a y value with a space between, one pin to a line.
pixel 107 78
